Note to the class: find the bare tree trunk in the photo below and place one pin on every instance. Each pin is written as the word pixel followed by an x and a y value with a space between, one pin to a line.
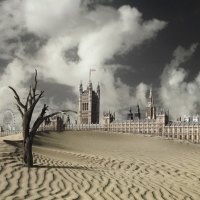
pixel 26 110
pixel 28 155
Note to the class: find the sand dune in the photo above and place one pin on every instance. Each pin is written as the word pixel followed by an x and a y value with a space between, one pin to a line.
pixel 103 166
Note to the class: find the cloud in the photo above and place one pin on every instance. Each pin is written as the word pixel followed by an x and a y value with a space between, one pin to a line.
pixel 11 26
pixel 176 94
pixel 95 36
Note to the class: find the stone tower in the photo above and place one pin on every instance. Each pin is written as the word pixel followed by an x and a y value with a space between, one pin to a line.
pixel 151 112
pixel 89 104
pixel 162 119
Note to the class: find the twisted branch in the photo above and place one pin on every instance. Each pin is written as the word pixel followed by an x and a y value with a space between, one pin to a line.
pixel 17 98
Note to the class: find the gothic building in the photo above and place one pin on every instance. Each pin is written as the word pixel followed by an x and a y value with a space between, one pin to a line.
pixel 89 105
pixel 151 110
pixel 55 123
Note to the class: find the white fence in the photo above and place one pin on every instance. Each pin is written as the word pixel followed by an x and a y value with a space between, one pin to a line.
pixel 185 132
pixel 80 127
pixel 6 133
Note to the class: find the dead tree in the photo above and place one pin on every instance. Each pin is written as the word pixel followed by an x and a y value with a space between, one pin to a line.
pixel 26 110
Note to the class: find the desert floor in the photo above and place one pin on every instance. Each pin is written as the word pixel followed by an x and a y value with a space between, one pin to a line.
pixel 88 165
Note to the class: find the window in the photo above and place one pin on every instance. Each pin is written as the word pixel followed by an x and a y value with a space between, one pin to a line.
pixel 185 137
pixel 85 106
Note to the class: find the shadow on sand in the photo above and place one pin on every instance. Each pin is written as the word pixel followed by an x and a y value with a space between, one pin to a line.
pixel 19 143
pixel 16 143
pixel 62 167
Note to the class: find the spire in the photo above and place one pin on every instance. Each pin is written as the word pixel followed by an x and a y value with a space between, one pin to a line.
pixel 98 87
pixel 138 108
pixel 137 113
pixel 98 90
pixel 150 99
pixel 81 87
pixel 150 92
pixel 130 115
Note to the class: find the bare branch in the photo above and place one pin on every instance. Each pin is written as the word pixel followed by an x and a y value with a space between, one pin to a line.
pixel 17 97
pixel 66 111
pixel 35 86
pixel 28 98
pixel 20 110
pixel 43 112
pixel 51 115
pixel 32 106
pixel 41 119
pixel 38 98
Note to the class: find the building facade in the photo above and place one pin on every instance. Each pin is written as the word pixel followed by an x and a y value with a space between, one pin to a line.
pixel 160 126
pixel 156 124
pixel 89 105
pixel 55 123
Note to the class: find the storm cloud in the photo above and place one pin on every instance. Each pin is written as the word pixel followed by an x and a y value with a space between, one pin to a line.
pixel 177 94
pixel 65 40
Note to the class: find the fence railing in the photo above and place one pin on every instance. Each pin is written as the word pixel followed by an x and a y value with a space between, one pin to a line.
pixel 7 133
pixel 80 127
pixel 173 132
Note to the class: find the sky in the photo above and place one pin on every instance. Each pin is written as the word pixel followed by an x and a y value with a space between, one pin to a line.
pixel 132 44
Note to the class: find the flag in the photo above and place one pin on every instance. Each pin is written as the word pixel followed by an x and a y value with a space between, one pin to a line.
pixel 91 70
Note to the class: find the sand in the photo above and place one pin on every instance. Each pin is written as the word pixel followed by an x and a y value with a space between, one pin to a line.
pixel 86 165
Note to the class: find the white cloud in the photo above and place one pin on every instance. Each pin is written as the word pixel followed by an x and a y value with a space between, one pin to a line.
pixel 140 95
pixel 11 25
pixel 98 35
pixel 178 95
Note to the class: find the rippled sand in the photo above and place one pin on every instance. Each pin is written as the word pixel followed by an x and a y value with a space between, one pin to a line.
pixel 85 165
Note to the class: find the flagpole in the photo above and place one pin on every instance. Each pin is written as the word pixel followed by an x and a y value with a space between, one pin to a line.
pixel 90 75
pixel 91 70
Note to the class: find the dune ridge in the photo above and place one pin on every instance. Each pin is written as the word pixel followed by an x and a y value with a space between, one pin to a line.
pixel 84 173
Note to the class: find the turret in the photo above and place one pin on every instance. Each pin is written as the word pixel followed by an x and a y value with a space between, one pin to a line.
pixel 98 90
pixel 108 118
pixel 89 102
pixel 137 113
pixel 150 113
pixel 80 102
pixel 90 86
pixel 81 88
pixel 130 115
pixel 150 99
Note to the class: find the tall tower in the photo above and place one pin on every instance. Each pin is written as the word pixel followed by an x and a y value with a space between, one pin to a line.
pixel 80 100
pixel 150 113
pixel 98 104
pixel 89 104
pixel 137 113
